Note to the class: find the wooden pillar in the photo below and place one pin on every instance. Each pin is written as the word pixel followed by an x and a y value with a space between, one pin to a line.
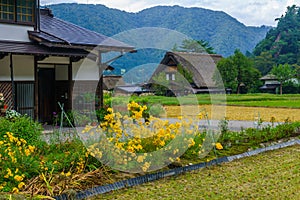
pixel 12 81
pixel 36 89
pixel 99 92
pixel 70 84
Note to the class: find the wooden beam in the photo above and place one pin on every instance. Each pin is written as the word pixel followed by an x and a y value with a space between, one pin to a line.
pixel 41 57
pixel 75 58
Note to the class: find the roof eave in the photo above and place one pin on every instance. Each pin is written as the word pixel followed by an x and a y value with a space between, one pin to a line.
pixel 102 48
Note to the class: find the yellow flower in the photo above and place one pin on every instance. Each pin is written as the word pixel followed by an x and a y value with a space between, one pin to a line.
pixel 219 146
pixel 140 159
pixel 68 174
pixel 21 184
pixel 200 115
pixel 27 152
pixel 55 162
pixel 31 148
pixel 15 190
pixel 9 173
pixel 146 166
pixel 23 141
pixel 191 142
pixel 18 178
pixel 110 110
pixel 162 143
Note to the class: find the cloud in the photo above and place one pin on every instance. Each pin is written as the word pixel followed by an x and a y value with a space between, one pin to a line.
pixel 249 12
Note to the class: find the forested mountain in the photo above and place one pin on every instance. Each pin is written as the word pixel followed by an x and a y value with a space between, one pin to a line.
pixel 224 33
pixel 282 43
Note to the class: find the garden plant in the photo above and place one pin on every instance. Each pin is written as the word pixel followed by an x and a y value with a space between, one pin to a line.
pixel 34 168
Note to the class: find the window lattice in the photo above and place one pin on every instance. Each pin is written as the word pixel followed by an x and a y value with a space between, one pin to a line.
pixel 7 10
pixel 17 10
pixel 25 10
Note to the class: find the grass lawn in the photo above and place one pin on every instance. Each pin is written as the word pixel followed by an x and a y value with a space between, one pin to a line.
pixel 271 175
pixel 261 100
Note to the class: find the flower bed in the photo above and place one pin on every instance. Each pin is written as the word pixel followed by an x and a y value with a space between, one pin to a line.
pixel 33 167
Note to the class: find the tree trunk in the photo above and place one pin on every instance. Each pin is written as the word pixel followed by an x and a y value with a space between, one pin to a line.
pixel 238 88
pixel 280 88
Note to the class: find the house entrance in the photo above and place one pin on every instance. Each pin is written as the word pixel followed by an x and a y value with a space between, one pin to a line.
pixel 54 87
pixel 46 85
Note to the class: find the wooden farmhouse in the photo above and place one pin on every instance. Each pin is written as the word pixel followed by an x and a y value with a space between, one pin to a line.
pixel 199 66
pixel 41 57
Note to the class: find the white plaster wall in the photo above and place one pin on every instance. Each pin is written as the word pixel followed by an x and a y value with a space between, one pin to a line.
pixel 85 70
pixel 12 32
pixel 55 60
pixel 61 72
pixel 4 69
pixel 23 67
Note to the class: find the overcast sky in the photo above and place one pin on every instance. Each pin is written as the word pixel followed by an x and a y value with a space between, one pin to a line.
pixel 249 12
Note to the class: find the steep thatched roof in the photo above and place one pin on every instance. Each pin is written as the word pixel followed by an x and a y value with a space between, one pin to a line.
pixel 202 66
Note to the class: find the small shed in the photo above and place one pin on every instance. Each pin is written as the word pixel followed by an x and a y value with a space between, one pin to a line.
pixel 271 83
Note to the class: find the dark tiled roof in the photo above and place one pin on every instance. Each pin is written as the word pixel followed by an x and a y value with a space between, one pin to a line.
pixel 57 31
pixel 35 49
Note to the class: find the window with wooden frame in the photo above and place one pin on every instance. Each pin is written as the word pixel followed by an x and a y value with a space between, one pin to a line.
pixel 17 11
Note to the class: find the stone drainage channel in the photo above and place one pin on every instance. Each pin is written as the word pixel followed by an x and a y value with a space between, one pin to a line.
pixel 172 172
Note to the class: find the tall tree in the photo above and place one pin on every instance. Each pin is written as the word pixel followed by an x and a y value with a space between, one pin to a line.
pixel 281 42
pixel 228 74
pixel 237 72
pixel 264 62
pixel 283 73
pixel 198 46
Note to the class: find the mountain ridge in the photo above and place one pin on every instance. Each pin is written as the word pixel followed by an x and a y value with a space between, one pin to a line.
pixel 223 32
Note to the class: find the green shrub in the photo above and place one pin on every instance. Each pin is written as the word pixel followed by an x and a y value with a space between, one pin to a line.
pixel 157 110
pixel 254 137
pixel 18 162
pixel 22 127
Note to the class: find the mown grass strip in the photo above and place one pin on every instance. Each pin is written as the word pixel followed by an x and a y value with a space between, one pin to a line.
pixel 260 100
pixel 270 175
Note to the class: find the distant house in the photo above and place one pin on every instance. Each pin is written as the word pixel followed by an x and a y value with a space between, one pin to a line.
pixel 200 66
pixel 270 83
pixel 131 89
pixel 41 58
pixel 110 82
